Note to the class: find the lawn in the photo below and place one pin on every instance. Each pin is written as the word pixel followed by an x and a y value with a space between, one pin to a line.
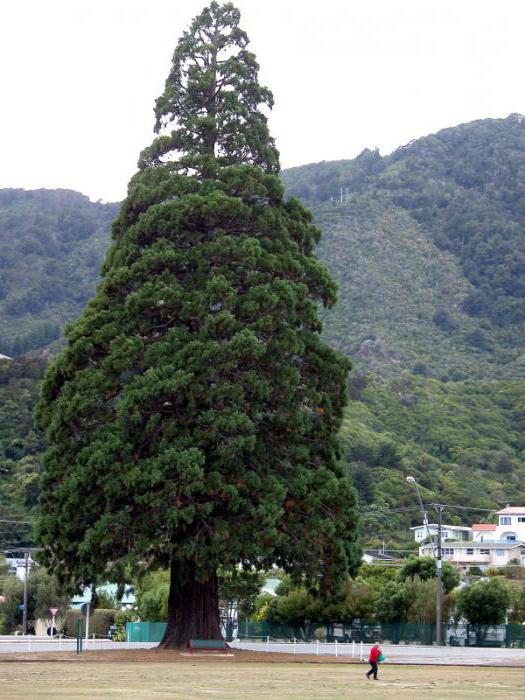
pixel 232 679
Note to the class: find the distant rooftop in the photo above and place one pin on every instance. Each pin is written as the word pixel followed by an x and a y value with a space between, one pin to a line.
pixel 443 527
pixel 483 527
pixel 512 510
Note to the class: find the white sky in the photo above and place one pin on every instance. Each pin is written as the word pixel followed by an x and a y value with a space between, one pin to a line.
pixel 78 78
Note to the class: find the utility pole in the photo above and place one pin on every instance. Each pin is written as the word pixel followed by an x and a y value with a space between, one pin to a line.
pixel 439 576
pixel 24 612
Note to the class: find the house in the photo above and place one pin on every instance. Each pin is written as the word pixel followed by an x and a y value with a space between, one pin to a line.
pixel 377 556
pixel 482 554
pixel 489 544
pixel 510 527
pixel 17 566
pixel 448 532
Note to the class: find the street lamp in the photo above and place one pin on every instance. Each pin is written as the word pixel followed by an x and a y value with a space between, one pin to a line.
pixel 439 570
pixel 411 480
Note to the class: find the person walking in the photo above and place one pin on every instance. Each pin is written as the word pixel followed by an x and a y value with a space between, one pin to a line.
pixel 373 660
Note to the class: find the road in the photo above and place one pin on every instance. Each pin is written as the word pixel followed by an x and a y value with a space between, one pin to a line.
pixel 397 654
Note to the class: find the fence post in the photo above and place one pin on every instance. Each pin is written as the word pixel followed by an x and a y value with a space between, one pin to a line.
pixel 294 645
pixel 29 643
pixel 353 650
pixel 361 652
pixel 317 652
pixel 60 642
pixel 267 642
pixel 336 648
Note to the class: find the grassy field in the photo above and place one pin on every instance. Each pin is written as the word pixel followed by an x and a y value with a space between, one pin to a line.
pixel 230 680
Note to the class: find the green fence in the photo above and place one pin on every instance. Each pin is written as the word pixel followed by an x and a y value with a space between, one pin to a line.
pixel 388 633
pixel 145 631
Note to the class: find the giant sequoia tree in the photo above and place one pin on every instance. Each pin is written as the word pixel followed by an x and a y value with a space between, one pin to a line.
pixel 193 415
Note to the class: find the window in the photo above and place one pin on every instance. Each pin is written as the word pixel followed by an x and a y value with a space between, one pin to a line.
pixel 419 534
pixel 484 551
pixel 470 552
pixel 505 520
pixel 521 518
pixel 500 552
pixel 448 551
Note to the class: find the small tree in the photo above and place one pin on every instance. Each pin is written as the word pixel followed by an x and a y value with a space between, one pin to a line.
pixel 393 603
pixel 425 568
pixel 297 608
pixel 238 591
pixel 483 604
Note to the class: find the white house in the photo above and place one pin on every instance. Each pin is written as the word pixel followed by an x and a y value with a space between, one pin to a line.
pixel 483 544
pixel 448 532
pixel 482 554
pixel 510 527
pixel 17 566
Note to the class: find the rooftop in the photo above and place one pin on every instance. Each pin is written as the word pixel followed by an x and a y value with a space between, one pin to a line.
pixel 512 510
pixel 480 527
pixel 477 545
pixel 443 527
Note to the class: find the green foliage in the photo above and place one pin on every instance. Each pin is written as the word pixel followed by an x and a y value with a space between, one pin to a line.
pixel 192 417
pixel 121 618
pixel 152 592
pixel 99 622
pixel 463 441
pixel 212 101
pixel 484 602
pixel 425 568
pixel 430 261
pixel 518 609
pixel 10 613
pixel 43 592
pixel 51 246
pixel 21 446
pixel 106 600
pixel 393 603
pixel 238 592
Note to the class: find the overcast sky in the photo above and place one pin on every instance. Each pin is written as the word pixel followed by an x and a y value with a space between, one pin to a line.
pixel 79 78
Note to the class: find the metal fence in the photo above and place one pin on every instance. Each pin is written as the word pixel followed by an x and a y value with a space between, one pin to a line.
pixel 510 636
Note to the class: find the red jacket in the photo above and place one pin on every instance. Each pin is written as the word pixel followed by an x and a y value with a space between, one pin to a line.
pixel 374 655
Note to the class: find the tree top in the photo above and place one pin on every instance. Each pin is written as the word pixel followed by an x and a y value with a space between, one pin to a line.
pixel 210 114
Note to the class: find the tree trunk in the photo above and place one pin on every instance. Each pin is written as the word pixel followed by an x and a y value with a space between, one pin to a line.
pixel 193 607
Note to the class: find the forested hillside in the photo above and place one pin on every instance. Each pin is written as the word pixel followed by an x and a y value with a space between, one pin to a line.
pixel 428 247
pixel 52 243
pixel 20 448
pixel 454 200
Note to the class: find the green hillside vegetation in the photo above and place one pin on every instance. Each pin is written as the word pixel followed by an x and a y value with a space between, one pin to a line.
pixel 400 297
pixel 463 441
pixel 459 191
pixel 52 244
pixel 20 448
pixel 428 249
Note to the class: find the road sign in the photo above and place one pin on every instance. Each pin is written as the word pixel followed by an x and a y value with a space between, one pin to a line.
pixel 53 611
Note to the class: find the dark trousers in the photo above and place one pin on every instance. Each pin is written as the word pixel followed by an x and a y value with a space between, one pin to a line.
pixel 373 670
